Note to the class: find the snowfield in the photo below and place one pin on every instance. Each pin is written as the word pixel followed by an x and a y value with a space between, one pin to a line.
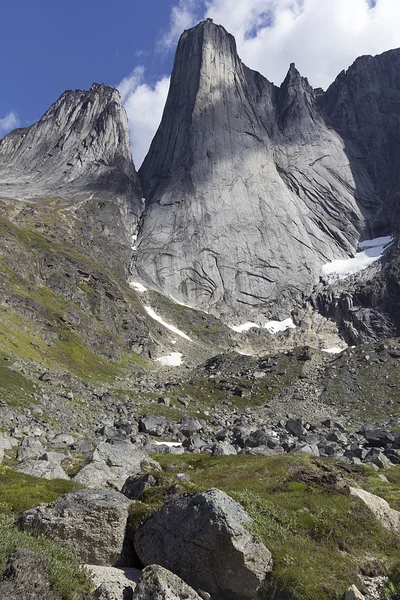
pixel 272 326
pixel 172 328
pixel 172 360
pixel 138 287
pixel 369 251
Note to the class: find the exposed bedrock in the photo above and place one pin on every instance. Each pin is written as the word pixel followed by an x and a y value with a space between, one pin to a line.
pixel 249 188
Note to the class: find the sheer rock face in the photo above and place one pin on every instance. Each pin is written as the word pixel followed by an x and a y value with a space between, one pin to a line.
pixel 79 149
pixel 249 189
pixel 363 105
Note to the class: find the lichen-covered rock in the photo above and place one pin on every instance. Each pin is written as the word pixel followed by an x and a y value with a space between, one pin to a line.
pixel 157 583
pixel 203 538
pixel 92 522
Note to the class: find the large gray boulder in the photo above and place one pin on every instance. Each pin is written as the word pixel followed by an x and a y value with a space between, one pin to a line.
pixel 92 522
pixel 111 465
pixel 42 468
pixel 203 538
pixel 157 583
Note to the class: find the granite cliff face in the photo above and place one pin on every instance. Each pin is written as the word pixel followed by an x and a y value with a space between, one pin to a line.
pixel 78 150
pixel 251 188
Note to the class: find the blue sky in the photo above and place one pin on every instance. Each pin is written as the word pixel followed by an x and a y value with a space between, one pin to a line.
pixel 48 46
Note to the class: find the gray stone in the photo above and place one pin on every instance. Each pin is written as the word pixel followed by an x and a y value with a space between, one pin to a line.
pixel 153 425
pixel 134 486
pixel 112 583
pixel 92 522
pixel 353 593
pixel 112 464
pixel 157 583
pixel 30 448
pixel 387 516
pixel 223 449
pixel 41 468
pixel 203 539
pixel 295 427
pixel 62 440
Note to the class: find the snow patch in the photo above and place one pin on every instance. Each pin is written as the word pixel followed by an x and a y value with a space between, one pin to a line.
pixel 172 360
pixel 169 444
pixel 369 251
pixel 334 350
pixel 172 328
pixel 244 327
pixel 138 287
pixel 272 326
pixel 279 326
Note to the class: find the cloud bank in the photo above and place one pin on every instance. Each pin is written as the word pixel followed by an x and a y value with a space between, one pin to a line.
pixel 144 105
pixel 322 37
pixel 8 123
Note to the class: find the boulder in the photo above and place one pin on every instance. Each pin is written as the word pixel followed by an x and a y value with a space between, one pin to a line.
pixel 378 437
pixel 295 427
pixel 62 440
pixel 30 448
pixel 42 468
pixel 111 464
pixel 112 583
pixel 153 425
pixel 134 486
pixel 223 449
pixel 353 593
pixel 203 539
pixel 92 522
pixel 157 583
pixel 387 516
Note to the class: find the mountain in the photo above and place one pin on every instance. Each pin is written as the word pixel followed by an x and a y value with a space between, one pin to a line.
pixel 251 188
pixel 78 150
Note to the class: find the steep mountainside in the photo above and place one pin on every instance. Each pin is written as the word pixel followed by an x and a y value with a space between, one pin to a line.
pixel 251 188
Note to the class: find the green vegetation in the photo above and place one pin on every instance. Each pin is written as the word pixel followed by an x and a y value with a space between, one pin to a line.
pixel 67 578
pixel 321 538
pixel 19 492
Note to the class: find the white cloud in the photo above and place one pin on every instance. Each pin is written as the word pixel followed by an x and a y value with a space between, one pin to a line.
pixel 183 16
pixel 9 122
pixel 144 105
pixel 322 37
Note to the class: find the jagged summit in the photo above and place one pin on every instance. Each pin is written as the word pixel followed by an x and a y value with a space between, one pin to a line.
pixel 79 146
pixel 249 189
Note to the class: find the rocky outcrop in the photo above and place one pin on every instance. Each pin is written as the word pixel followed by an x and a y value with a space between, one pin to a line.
pixel 365 306
pixel 249 188
pixel 92 522
pixel 203 539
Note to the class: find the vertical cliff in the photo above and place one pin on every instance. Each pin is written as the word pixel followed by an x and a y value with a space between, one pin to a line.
pixel 248 189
